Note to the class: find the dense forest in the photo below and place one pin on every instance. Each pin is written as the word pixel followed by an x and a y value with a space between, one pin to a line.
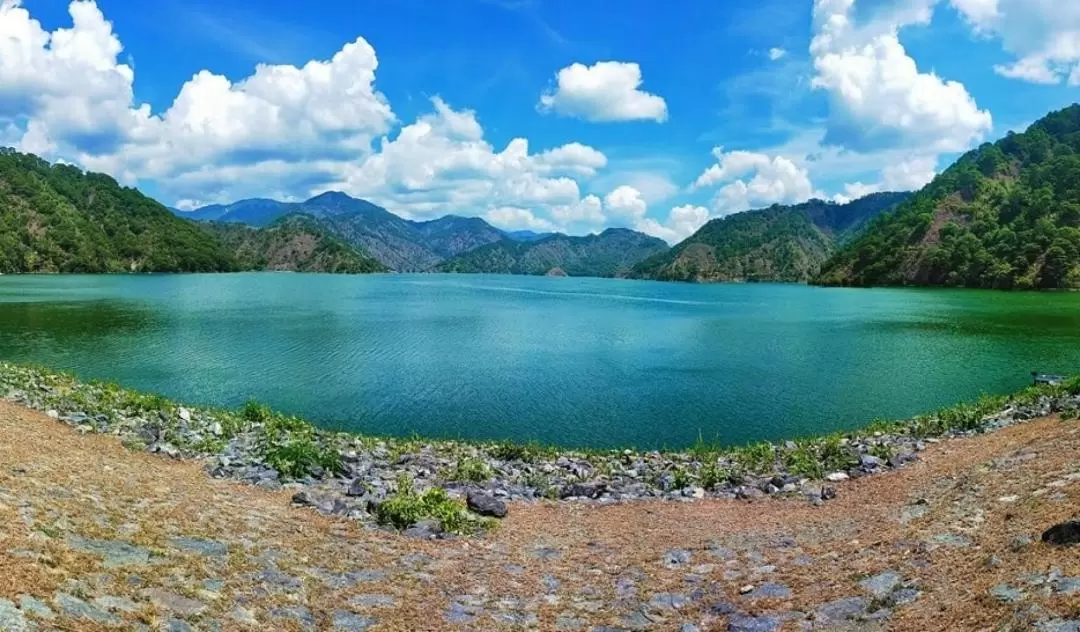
pixel 57 218
pixel 295 242
pixel 1006 215
pixel 780 243
pixel 611 253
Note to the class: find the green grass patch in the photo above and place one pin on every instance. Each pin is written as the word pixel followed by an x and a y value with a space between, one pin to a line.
pixel 407 507
pixel 469 469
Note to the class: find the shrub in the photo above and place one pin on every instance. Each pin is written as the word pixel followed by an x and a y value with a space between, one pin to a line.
pixel 470 470
pixel 295 456
pixel 407 507
pixel 255 412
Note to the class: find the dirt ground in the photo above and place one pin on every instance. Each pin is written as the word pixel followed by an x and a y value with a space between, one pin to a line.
pixel 94 536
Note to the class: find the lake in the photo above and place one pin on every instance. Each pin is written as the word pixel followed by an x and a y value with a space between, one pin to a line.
pixel 575 362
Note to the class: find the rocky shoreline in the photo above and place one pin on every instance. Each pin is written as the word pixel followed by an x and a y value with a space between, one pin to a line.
pixel 434 489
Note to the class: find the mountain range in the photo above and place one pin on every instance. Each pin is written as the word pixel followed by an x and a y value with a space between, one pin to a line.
pixel 611 253
pixel 780 243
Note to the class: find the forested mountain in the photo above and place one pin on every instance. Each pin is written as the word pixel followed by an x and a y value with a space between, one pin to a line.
pixel 1006 215
pixel 399 244
pixel 57 218
pixel 295 242
pixel 780 243
pixel 609 254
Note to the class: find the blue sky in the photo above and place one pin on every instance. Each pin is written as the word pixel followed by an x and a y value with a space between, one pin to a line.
pixel 544 114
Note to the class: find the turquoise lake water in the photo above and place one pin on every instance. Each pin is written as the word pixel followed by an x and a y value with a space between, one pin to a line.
pixel 580 362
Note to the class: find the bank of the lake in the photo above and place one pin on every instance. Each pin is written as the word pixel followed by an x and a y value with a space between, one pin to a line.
pixel 423 486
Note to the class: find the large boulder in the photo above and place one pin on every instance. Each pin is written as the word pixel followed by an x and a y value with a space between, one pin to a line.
pixel 485 504
pixel 1064 534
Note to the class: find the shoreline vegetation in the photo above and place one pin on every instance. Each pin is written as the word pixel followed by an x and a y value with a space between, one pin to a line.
pixel 439 488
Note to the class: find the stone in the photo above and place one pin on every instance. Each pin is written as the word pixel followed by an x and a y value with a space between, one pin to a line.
pixel 35 607
pixel 178 625
pixel 242 615
pixel 1063 534
pixel 882 584
pixel 12 619
pixel 1066 586
pixel 486 504
pixel 676 558
pixel 198 546
pixel 300 614
pixel 836 477
pixel 462 613
pixel 1006 594
pixel 357 488
pixel 1020 542
pixel 846 609
pixel 828 493
pixel 185 414
pixel 424 530
pixel 869 461
pixel 747 623
pixel 669 601
pixel 950 539
pixel 174 603
pixel 903 596
pixel 770 590
pixel 580 490
pixel 116 604
pixel 113 553
pixel 371 601
pixel 76 608
pixel 349 622
pixel 569 623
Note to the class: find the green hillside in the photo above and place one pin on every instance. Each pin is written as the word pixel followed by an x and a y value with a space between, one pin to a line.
pixel 57 218
pixel 1006 215
pixel 780 243
pixel 295 242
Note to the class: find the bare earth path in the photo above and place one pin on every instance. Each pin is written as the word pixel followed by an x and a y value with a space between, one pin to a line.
pixel 93 536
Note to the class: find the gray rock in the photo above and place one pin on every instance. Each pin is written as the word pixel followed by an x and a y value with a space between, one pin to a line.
pixel 903 597
pixel 847 609
pixel 770 590
pixel 113 553
pixel 569 623
pixel 669 601
pixel 882 584
pixel 462 612
pixel 1063 534
pixel 747 623
pixel 1006 594
pixel 869 461
pixel 676 558
pixel 76 608
pixel 951 539
pixel 116 604
pixel 300 614
pixel 1020 542
pixel 242 615
pixel 371 601
pixel 35 607
pixel 206 548
pixel 178 625
pixel 486 504
pixel 12 619
pixel 424 530
pixel 581 490
pixel 349 622
pixel 1066 585
pixel 174 603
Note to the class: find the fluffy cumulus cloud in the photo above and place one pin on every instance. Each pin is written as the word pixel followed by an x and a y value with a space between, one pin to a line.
pixel 906 175
pixel 878 96
pixel 753 180
pixel 1044 35
pixel 682 221
pixel 777 53
pixel 604 92
pixel 516 218
pixel 626 202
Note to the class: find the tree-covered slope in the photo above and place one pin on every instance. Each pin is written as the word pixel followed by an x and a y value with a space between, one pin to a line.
pixel 611 253
pixel 780 243
pixel 295 242
pixel 1006 215
pixel 56 218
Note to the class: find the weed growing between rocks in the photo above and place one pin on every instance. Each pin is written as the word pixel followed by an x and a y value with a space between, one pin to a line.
pixel 408 507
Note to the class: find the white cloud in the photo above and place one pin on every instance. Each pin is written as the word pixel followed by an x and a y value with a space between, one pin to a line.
pixel 626 202
pixel 776 53
pixel 606 91
pixel 878 97
pixel 775 179
pixel 682 222
pixel 515 218
pixel 1044 35
pixel 588 211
